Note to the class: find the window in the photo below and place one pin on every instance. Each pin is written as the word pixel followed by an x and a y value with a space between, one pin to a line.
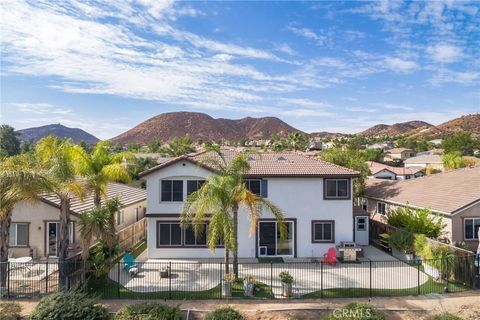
pixel 323 231
pixel 18 234
pixel 381 208
pixel 408 176
pixel 361 224
pixel 471 226
pixel 254 186
pixel 169 234
pixel 364 203
pixel 172 190
pixel 194 185
pixel 336 189
pixel 191 240
pixel 120 217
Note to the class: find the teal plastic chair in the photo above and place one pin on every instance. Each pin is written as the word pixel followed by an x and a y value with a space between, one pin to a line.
pixel 129 262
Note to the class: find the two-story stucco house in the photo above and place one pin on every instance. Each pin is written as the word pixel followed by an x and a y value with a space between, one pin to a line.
pixel 398 154
pixel 315 196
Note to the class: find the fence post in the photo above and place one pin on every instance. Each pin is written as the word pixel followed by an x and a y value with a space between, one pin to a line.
pixel 46 278
pixel 321 279
pixel 370 263
pixel 118 279
pixel 170 279
pixel 271 279
pixel 418 275
pixel 8 280
pixel 446 274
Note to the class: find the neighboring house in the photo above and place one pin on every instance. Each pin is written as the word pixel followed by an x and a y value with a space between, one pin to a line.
pixel 316 197
pixel 433 161
pixel 398 154
pixel 430 152
pixel 34 226
pixel 380 146
pixel 328 145
pixel 455 195
pixel 383 171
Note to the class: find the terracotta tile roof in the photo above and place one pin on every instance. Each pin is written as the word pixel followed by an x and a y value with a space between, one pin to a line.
pixel 376 167
pixel 425 159
pixel 397 150
pixel 270 164
pixel 128 195
pixel 444 192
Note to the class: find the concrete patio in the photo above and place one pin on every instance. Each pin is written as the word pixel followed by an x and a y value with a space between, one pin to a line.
pixel 195 276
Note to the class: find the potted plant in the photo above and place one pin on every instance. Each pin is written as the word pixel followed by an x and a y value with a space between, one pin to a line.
pixel 287 280
pixel 248 286
pixel 401 243
pixel 228 279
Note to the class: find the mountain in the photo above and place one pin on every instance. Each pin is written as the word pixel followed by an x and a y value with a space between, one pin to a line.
pixel 326 134
pixel 409 127
pixel 469 123
pixel 77 135
pixel 200 126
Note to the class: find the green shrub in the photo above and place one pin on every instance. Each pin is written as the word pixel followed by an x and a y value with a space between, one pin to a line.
pixel 226 313
pixel 10 310
pixel 148 311
pixel 421 221
pixel 446 316
pixel 443 259
pixel 356 311
pixel 70 305
pixel 402 241
pixel 286 277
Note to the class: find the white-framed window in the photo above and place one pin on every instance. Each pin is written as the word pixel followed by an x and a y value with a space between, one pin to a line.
pixel 471 226
pixel 120 217
pixel 18 234
pixel 172 190
pixel 382 208
pixel 323 231
pixel 337 189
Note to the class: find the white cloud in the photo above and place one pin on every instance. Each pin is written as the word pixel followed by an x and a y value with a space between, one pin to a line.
pixel 445 53
pixel 395 107
pixel 399 65
pixel 309 34
pixel 450 76
pixel 361 109
pixel 37 108
pixel 285 48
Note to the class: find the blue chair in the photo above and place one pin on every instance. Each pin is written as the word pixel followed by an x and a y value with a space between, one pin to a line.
pixel 129 262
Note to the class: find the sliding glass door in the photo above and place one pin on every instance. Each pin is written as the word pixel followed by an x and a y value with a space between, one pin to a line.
pixel 269 240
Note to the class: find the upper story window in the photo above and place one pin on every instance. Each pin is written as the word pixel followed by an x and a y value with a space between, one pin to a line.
pixel 194 185
pixel 337 189
pixel 172 190
pixel 254 186
pixel 381 208
pixel 471 226
pixel 18 234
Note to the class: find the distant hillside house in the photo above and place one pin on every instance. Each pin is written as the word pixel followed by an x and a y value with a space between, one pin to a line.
pixel 398 154
pixel 380 146
pixel 384 171
pixel 35 226
pixel 432 161
pixel 454 195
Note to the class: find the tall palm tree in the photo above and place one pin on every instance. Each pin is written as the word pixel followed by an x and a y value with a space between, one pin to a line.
pixel 17 183
pixel 56 158
pixel 232 195
pixel 99 224
pixel 100 167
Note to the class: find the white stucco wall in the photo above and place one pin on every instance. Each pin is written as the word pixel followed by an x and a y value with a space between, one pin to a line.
pixel 299 198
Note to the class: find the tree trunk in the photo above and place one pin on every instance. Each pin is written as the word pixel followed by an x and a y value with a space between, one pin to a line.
pixel 235 239
pixel 227 260
pixel 97 199
pixel 63 242
pixel 4 238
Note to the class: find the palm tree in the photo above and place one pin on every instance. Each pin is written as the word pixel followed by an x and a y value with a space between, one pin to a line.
pixel 222 196
pixel 17 183
pixel 56 158
pixel 100 167
pixel 453 160
pixel 296 140
pixel 99 224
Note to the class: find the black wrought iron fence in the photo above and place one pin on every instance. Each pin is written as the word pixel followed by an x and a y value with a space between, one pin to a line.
pixel 206 280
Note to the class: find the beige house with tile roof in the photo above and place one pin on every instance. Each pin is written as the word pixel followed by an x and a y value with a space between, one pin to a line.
pixel 315 196
pixel 398 154
pixel 34 226
pixel 432 161
pixel 384 171
pixel 455 195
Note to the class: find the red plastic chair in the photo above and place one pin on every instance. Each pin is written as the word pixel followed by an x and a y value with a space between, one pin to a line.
pixel 330 256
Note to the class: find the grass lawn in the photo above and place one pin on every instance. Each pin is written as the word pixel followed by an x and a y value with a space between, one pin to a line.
pixel 106 288
pixel 428 287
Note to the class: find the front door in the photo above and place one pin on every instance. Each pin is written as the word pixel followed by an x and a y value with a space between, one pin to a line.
pixel 361 230
pixel 269 240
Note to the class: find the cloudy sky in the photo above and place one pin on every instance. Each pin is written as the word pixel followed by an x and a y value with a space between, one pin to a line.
pixel 107 66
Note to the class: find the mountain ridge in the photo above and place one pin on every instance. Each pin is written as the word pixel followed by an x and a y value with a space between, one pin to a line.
pixel 77 135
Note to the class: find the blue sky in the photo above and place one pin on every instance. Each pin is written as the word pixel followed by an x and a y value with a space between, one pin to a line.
pixel 320 66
